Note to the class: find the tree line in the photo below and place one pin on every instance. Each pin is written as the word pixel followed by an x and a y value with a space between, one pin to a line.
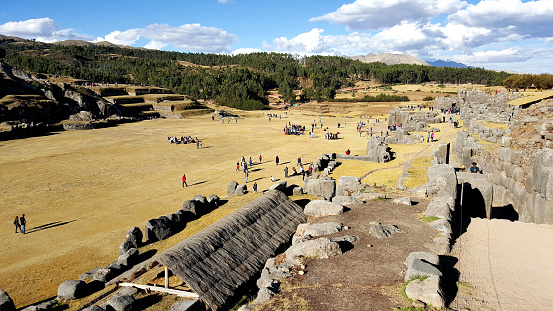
pixel 239 81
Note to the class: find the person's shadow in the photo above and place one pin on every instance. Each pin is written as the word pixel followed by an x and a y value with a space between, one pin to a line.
pixel 48 226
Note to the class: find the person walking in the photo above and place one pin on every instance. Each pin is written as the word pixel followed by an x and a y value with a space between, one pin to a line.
pixel 432 136
pixel 428 137
pixel 184 180
pixel 237 166
pixel 286 172
pixel 251 162
pixel 260 159
pixel 197 144
pixel 246 174
pixel 276 160
pixel 23 223
pixel 254 187
pixel 16 223
pixel 299 161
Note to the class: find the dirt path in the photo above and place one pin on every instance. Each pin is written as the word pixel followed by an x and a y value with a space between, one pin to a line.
pixel 505 265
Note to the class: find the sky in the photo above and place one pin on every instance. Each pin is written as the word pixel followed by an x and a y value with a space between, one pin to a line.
pixel 510 35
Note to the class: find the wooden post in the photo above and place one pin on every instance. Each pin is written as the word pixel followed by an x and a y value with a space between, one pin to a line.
pixel 166 277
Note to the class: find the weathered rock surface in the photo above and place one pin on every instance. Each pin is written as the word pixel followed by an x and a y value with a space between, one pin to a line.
pixel 231 188
pixel 428 291
pixel 241 190
pixel 135 236
pixel 320 187
pixel 319 208
pixel 72 289
pixel 120 303
pixel 420 267
pixel 404 201
pixel 347 185
pixel 381 231
pixel 425 256
pixel 325 228
pixel 280 186
pixel 129 258
pixel 158 229
pixel 377 150
pixel 346 200
pixel 442 180
pixel 6 303
pixel 183 305
pixel 319 248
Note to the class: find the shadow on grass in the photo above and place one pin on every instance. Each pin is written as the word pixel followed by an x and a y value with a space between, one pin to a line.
pixel 48 226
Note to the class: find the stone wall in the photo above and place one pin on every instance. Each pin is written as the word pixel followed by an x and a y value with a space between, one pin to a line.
pixel 413 120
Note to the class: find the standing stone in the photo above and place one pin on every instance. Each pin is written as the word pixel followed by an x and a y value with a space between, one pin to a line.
pixel 346 185
pixel 192 206
pixel 6 303
pixel 442 180
pixel 72 289
pixel 129 258
pixel 213 200
pixel 280 186
pixel 135 236
pixel 428 291
pixel 231 188
pixel 120 303
pixel 380 231
pixel 241 190
pixel 319 208
pixel 200 198
pixel 158 229
pixel 125 246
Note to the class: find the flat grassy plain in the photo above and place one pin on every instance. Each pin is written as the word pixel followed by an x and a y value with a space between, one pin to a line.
pixel 81 191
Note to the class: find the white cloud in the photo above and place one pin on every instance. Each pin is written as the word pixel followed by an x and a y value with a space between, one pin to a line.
pixel 494 56
pixel 528 19
pixel 378 14
pixel 245 51
pixel 190 37
pixel 42 29
pixel 409 38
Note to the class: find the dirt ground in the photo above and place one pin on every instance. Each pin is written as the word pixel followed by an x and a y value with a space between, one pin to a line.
pixel 81 191
pixel 504 265
pixel 368 276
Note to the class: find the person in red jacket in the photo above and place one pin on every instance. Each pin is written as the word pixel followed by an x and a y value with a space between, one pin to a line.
pixel 184 180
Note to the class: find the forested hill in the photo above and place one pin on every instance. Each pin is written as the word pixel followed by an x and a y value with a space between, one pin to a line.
pixel 233 80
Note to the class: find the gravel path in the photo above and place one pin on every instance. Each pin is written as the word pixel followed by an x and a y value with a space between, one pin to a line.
pixel 504 265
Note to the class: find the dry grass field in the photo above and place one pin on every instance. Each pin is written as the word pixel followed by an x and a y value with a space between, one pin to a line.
pixel 81 191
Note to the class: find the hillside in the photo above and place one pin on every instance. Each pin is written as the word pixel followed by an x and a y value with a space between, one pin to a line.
pixel 390 59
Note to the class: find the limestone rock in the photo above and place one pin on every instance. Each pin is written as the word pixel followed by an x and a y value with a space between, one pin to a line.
pixel 72 289
pixel 129 258
pixel 280 186
pixel 231 188
pixel 125 246
pixel 346 200
pixel 439 208
pixel 442 225
pixel 6 303
pixel 192 206
pixel 120 303
pixel 347 185
pixel 377 150
pixel 158 229
pixel 319 208
pixel 320 187
pixel 263 295
pixel 442 180
pixel 319 248
pixel 421 268
pixel 103 275
pixel 135 237
pixel 297 191
pixel 383 231
pixel 404 201
pixel 213 199
pixel 369 196
pixel 200 198
pixel 428 291
pixel 326 228
pixel 241 190
pixel 425 256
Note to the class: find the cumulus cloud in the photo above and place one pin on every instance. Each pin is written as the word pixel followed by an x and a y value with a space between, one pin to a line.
pixel 245 51
pixel 496 56
pixel 527 19
pixel 377 14
pixel 190 37
pixel 42 29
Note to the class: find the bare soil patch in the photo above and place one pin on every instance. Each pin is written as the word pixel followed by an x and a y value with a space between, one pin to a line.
pixel 366 277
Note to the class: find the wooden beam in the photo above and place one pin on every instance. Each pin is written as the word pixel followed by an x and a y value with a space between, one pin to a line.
pixel 166 277
pixel 177 292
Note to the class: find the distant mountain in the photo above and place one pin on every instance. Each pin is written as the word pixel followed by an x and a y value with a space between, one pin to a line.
pixel 389 59
pixel 446 63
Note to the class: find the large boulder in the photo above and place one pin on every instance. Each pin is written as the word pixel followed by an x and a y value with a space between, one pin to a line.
pixel 193 206
pixel 319 208
pixel 428 291
pixel 72 289
pixel 422 268
pixel 120 303
pixel 241 190
pixel 440 207
pixel 320 187
pixel 442 180
pixel 129 258
pixel 425 256
pixel 135 237
pixel 231 188
pixel 377 150
pixel 347 185
pixel 158 229
pixel 403 201
pixel 6 303
pixel 326 228
pixel 103 275
pixel 280 186
pixel 381 231
pixel 319 248
pixel 125 246
pixel 213 199
pixel 346 200
pixel 200 198
pixel 369 196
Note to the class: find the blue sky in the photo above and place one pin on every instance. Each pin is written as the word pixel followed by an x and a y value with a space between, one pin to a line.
pixel 495 34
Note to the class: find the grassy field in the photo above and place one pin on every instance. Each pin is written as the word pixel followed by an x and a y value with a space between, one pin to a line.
pixel 81 191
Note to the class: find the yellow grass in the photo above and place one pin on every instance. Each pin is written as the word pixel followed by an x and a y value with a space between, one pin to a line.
pixel 495 125
pixel 388 177
pixel 418 172
pixel 531 97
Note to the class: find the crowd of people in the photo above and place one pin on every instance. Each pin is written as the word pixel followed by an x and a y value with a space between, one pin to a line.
pixel 182 140
pixel 393 127
pixel 332 135
pixel 294 129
